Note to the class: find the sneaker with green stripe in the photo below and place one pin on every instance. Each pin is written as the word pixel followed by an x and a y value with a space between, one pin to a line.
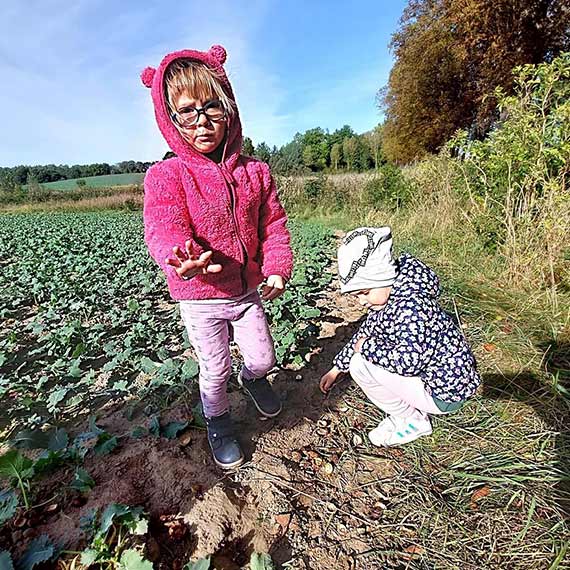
pixel 395 430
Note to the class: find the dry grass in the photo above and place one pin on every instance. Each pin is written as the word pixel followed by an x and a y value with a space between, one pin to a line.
pixel 120 198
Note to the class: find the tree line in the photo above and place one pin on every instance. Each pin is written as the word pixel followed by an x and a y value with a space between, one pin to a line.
pixel 20 175
pixel 313 151
pixel 317 150
pixel 451 56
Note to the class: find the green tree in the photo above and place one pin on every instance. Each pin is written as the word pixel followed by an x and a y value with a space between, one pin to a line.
pixel 350 152
pixel 247 147
pixel 316 149
pixel 373 139
pixel 336 155
pixel 262 152
pixel 450 55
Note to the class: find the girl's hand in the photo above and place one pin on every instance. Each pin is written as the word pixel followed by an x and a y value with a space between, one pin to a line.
pixel 328 379
pixel 359 343
pixel 273 289
pixel 188 265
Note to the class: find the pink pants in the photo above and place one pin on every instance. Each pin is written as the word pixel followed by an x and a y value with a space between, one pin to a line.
pixel 208 327
pixel 394 394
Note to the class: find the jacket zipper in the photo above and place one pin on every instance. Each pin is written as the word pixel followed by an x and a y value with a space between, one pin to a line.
pixel 233 203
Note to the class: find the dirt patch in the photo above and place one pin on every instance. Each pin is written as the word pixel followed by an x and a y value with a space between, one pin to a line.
pixel 301 497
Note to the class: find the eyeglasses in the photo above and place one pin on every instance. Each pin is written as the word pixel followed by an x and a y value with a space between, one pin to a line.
pixel 189 116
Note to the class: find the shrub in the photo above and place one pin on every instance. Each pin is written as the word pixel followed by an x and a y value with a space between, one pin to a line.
pixel 517 178
pixel 390 189
pixel 314 187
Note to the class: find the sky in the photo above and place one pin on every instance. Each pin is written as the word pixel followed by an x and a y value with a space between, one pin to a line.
pixel 71 92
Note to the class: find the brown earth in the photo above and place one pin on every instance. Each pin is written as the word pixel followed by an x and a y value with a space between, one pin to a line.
pixel 310 493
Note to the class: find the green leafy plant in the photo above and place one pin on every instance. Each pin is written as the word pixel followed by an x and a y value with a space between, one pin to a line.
pixel 202 564
pixel 18 469
pixel 261 562
pixel 8 505
pixel 82 481
pixel 39 551
pixel 113 544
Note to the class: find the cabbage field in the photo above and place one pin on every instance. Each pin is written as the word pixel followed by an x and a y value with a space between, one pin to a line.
pixel 87 321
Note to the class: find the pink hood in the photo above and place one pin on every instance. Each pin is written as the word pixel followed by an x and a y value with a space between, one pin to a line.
pixel 154 78
pixel 230 208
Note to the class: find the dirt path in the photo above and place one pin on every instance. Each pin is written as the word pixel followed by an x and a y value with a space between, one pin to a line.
pixel 302 496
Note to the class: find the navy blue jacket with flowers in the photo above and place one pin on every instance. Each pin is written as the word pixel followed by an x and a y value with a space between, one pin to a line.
pixel 413 336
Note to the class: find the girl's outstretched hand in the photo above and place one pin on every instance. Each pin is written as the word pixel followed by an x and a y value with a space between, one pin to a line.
pixel 328 379
pixel 187 264
pixel 273 288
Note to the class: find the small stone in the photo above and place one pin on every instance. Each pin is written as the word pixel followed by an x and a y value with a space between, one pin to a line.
pixel 52 508
pixel 318 461
pixel 306 501
pixel 322 432
pixel 322 423
pixel 328 468
pixel 331 507
pixel 299 377
pixel 185 439
pixel 296 456
pixel 357 440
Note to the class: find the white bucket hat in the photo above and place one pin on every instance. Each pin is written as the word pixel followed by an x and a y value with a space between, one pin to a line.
pixel 365 260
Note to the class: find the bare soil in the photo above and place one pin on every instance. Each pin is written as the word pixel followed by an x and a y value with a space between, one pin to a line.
pixel 302 495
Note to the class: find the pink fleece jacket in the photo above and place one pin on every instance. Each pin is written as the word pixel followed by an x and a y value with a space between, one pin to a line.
pixel 230 208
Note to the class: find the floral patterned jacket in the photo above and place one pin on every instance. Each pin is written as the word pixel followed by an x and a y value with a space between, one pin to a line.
pixel 413 336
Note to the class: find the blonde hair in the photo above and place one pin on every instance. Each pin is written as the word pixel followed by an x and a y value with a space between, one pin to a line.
pixel 198 80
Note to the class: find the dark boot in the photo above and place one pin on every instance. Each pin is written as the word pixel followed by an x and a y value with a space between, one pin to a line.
pixel 222 439
pixel 260 391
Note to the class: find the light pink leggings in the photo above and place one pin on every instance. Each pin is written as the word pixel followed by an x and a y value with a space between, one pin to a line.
pixel 394 394
pixel 208 327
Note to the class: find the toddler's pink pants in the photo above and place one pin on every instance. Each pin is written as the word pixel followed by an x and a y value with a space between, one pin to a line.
pixel 208 326
pixel 396 395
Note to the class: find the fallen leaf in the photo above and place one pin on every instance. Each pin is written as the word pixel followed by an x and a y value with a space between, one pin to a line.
pixel 478 495
pixel 411 551
pixel 283 521
pixel 489 347
pixel 306 501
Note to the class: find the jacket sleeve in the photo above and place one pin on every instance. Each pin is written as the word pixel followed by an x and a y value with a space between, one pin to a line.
pixel 414 341
pixel 274 237
pixel 166 218
pixel 342 359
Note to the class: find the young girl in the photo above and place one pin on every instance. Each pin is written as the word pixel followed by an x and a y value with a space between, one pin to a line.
pixel 215 226
pixel 408 356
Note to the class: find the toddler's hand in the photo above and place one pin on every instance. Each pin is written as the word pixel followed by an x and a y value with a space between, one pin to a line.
pixel 187 264
pixel 359 343
pixel 328 379
pixel 274 287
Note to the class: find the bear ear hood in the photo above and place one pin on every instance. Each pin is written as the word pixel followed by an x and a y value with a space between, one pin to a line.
pixel 153 78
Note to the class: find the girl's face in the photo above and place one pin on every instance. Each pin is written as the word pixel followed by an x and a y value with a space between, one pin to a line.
pixel 205 135
pixel 374 299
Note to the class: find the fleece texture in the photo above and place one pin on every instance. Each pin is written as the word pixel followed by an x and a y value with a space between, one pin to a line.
pixel 413 336
pixel 230 208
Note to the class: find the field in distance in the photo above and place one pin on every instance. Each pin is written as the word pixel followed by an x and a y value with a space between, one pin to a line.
pixel 98 181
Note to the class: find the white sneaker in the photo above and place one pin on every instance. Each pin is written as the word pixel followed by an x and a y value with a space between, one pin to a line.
pixel 395 430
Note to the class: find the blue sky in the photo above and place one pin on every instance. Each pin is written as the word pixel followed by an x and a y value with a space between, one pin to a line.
pixel 71 91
